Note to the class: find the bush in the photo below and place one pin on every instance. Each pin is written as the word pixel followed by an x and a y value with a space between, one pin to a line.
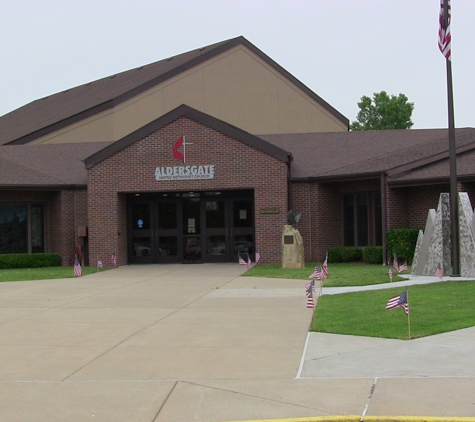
pixel 344 254
pixel 24 260
pixel 373 254
pixel 403 242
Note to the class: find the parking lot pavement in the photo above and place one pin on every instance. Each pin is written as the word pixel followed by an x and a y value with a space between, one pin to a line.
pixel 172 343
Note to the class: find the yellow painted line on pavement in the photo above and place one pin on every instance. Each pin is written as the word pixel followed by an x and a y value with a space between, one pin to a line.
pixel 354 418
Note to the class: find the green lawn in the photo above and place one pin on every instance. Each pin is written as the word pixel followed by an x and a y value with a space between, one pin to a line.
pixel 25 274
pixel 433 309
pixel 354 274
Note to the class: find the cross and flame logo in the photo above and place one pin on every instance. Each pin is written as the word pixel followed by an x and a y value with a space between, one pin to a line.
pixel 177 154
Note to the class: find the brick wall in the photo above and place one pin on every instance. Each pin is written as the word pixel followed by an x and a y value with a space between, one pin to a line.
pixel 64 211
pixel 237 166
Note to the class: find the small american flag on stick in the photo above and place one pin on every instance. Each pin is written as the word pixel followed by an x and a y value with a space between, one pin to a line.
pixel 399 301
pixel 114 259
pixel 309 293
pixel 77 267
pixel 316 274
pixel 390 272
pixel 325 267
pixel 257 255
pixel 439 272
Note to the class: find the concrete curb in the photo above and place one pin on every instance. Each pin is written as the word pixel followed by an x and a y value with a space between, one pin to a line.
pixel 354 418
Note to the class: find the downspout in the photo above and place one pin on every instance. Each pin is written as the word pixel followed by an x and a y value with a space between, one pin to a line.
pixel 384 218
pixel 289 183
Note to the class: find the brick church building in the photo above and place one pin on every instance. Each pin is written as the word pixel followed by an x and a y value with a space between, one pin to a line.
pixel 199 157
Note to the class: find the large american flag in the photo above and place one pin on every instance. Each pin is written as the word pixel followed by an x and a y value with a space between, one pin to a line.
pixel 439 272
pixel 445 37
pixel 399 301
pixel 77 267
pixel 325 267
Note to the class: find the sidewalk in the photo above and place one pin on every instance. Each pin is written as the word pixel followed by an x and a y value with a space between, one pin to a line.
pixel 181 343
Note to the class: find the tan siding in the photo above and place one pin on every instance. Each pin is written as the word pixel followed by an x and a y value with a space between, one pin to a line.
pixel 236 86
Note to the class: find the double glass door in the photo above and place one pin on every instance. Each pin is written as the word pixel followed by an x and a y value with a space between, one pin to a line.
pixel 191 227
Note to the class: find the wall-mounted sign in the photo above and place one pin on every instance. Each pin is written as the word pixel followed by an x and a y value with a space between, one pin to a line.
pixel 269 211
pixel 196 172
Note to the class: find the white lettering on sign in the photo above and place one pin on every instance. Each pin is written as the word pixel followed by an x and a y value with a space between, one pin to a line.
pixel 185 172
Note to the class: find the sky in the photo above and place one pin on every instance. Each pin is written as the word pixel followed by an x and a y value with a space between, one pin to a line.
pixel 340 49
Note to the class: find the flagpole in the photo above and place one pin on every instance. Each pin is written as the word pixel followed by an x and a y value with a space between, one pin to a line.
pixel 454 217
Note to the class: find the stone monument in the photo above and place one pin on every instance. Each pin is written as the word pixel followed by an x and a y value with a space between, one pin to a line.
pixel 292 243
pixel 434 244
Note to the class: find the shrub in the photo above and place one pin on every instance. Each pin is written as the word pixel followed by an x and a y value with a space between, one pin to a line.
pixel 403 242
pixel 24 260
pixel 344 254
pixel 373 254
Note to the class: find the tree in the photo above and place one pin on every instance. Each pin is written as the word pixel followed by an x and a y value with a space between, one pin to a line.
pixel 383 112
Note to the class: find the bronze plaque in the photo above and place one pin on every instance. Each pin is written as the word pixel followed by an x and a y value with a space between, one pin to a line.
pixel 288 240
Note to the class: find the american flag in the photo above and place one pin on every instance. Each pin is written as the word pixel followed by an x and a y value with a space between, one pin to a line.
pixel 316 274
pixel 438 271
pixel 325 267
pixel 445 37
pixel 403 267
pixel 99 263
pixel 399 301
pixel 249 263
pixel 395 262
pixel 309 293
pixel 313 285
pixel 390 273
pixel 77 267
pixel 114 259
pixel 257 255
pixel 242 262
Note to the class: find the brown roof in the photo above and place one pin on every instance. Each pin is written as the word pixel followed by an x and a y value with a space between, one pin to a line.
pixel 326 156
pixel 46 165
pixel 51 113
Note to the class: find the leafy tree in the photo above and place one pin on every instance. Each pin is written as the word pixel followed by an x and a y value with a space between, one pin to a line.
pixel 383 112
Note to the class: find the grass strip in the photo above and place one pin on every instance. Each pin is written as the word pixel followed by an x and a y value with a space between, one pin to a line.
pixel 44 273
pixel 434 309
pixel 341 274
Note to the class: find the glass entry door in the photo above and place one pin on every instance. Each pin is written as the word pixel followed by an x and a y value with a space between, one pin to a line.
pixel 154 231
pixel 190 227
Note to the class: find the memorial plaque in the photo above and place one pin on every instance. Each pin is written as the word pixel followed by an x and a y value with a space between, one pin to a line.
pixel 288 240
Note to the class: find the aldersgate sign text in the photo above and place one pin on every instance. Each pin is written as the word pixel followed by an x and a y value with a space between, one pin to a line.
pixel 185 172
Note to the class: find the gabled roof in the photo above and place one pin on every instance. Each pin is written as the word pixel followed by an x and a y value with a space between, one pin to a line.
pixel 349 155
pixel 198 116
pixel 54 112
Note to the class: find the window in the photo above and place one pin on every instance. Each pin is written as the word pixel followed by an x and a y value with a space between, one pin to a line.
pixel 362 219
pixel 21 228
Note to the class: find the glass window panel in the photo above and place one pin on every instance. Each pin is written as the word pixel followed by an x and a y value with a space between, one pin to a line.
pixel 141 216
pixel 362 219
pixel 142 246
pixel 216 245
pixel 167 246
pixel 192 249
pixel 215 214
pixel 167 216
pixel 242 213
pixel 348 221
pixel 244 244
pixel 37 229
pixel 191 216
pixel 13 229
pixel 378 220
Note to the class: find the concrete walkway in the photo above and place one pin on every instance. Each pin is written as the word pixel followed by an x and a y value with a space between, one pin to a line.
pixel 200 343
